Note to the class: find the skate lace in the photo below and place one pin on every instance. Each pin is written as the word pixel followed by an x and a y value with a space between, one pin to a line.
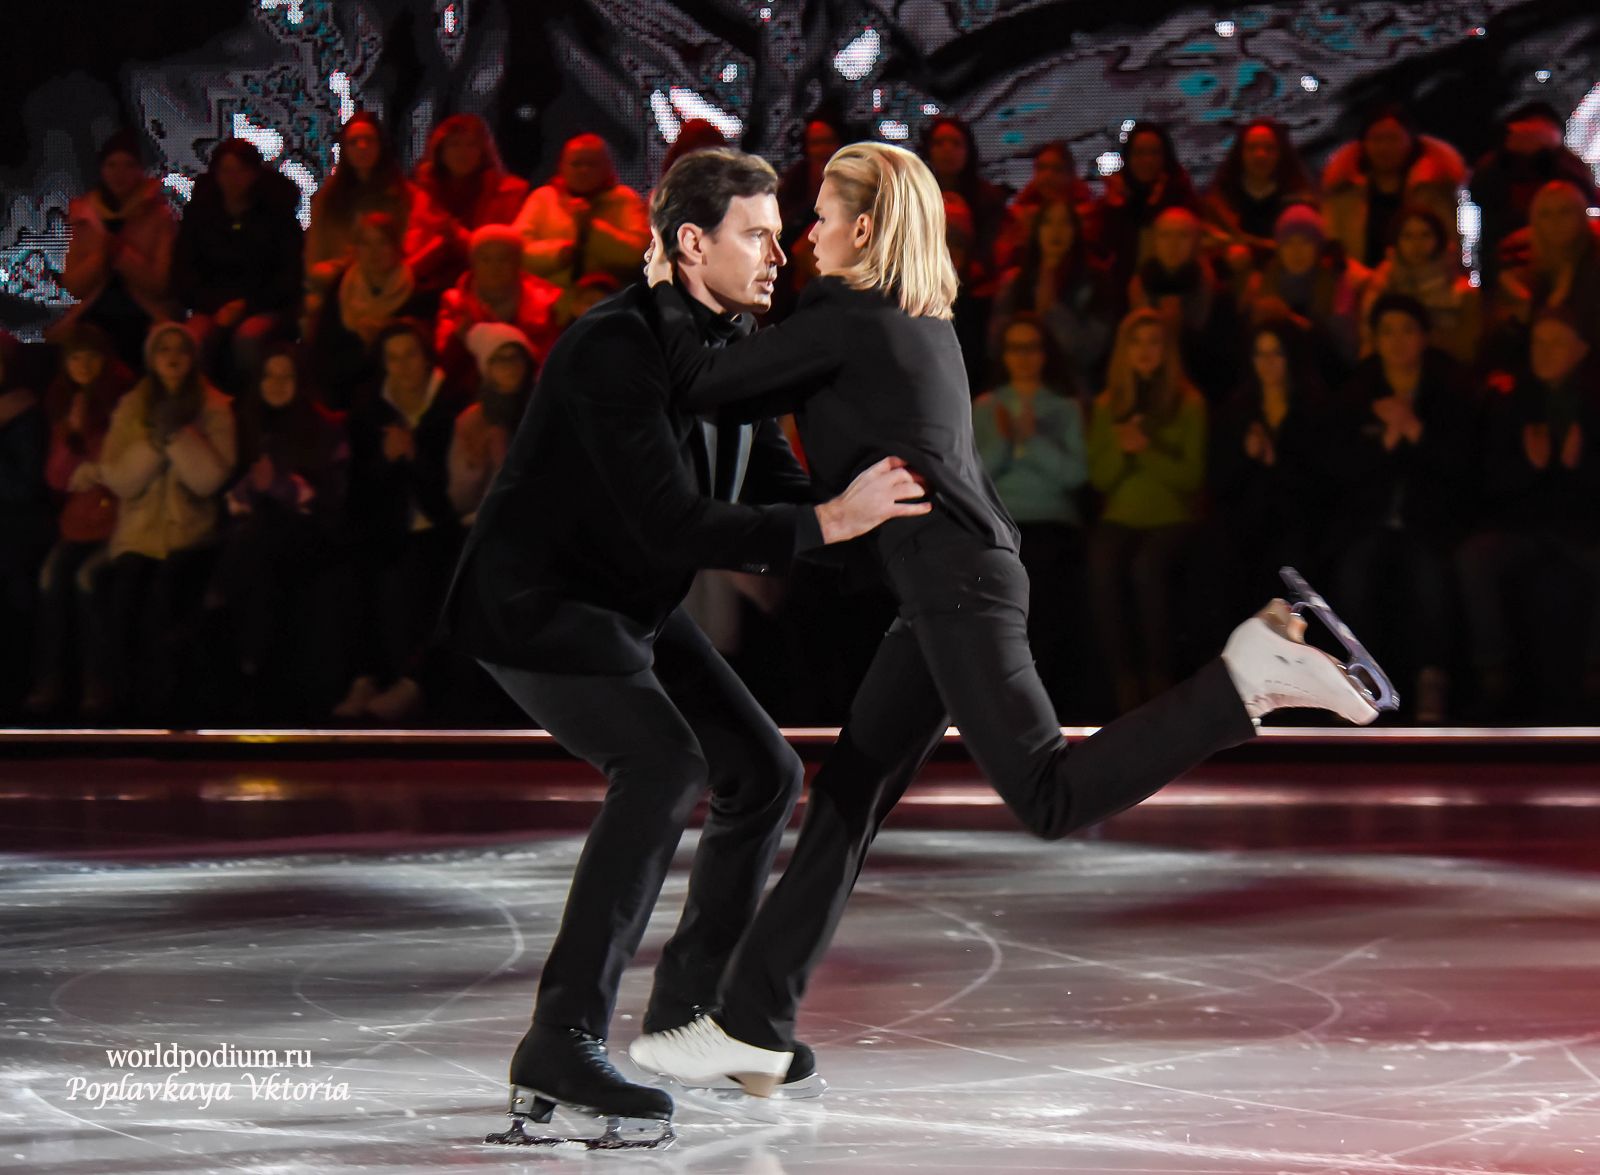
pixel 700 1037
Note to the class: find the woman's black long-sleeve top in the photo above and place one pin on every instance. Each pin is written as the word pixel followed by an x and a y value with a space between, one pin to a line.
pixel 865 381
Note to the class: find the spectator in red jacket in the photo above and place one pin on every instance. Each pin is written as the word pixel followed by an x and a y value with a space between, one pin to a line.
pixel 496 289
pixel 463 186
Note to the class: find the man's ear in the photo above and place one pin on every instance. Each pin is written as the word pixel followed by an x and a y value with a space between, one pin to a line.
pixel 690 246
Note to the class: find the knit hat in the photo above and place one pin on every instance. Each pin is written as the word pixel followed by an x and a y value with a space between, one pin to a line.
pixel 486 338
pixel 495 234
pixel 1300 220
pixel 164 328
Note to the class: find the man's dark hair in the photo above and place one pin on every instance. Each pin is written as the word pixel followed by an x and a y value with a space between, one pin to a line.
pixel 699 187
pixel 1400 304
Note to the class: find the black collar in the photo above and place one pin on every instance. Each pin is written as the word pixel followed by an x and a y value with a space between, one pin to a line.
pixel 714 327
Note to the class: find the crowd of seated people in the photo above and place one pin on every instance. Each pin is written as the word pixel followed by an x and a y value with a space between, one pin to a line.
pixel 235 476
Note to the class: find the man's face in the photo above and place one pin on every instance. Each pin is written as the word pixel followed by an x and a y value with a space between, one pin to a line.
pixel 404 361
pixel 1399 340
pixel 584 168
pixel 739 259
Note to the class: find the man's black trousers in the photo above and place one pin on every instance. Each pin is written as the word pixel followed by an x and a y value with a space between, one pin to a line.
pixel 661 737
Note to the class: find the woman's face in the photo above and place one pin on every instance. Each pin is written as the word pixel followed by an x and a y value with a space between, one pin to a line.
pixel 1051 175
pixel 1388 146
pixel 1147 349
pixel 1558 217
pixel 461 154
pixel 1175 241
pixel 376 255
pixel 1554 350
pixel 172 358
pixel 404 361
pixel 1261 154
pixel 1298 253
pixel 947 152
pixel 277 382
pixel 838 235
pixel 1023 353
pixel 1056 233
pixel 1399 340
pixel 496 267
pixel 84 366
pixel 121 173
pixel 1146 159
pixel 361 147
pixel 1416 243
pixel 1271 364
pixel 507 368
pixel 234 178
pixel 821 143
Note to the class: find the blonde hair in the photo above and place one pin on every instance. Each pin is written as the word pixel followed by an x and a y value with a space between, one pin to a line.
pixel 906 257
pixel 1169 384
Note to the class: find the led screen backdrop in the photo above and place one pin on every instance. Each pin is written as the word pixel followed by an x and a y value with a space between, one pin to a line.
pixel 285 72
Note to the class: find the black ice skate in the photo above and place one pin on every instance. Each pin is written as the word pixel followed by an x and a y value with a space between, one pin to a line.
pixel 567 1069
pixel 1362 667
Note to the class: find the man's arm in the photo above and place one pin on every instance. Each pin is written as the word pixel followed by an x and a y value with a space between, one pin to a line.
pixel 620 416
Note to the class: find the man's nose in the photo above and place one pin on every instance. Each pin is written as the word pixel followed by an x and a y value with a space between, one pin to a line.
pixel 777 255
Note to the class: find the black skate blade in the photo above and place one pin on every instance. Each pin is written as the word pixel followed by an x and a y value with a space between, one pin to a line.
pixel 1361 665
pixel 593 1130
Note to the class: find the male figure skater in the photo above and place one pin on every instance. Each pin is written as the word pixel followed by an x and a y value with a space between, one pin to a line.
pixel 568 593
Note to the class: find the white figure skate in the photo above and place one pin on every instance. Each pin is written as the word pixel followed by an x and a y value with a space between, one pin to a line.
pixel 1274 669
pixel 701 1054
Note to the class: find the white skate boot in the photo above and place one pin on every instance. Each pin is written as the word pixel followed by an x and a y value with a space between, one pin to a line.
pixel 1274 669
pixel 702 1054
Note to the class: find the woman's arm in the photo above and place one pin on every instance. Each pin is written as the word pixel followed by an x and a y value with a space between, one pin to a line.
pixel 1109 466
pixel 768 373
pixel 1176 455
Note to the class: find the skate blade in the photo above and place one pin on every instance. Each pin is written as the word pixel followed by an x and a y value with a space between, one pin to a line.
pixel 578 1127
pixel 729 1099
pixel 1359 665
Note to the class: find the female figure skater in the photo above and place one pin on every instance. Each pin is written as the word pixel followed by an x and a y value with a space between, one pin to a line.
pixel 870 366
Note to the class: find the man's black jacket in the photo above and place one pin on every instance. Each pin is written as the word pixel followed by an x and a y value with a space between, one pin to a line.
pixel 593 529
